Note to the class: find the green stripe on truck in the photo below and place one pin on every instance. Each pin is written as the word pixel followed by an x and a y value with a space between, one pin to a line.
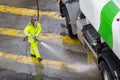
pixel 108 13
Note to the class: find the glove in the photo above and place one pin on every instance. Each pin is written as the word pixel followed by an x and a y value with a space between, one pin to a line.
pixel 25 39
pixel 35 38
pixel 32 37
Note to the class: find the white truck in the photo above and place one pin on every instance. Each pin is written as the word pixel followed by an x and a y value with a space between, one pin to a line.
pixel 97 25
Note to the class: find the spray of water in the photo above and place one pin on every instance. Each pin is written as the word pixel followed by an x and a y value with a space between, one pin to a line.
pixel 85 68
pixel 77 67
pixel 51 49
pixel 47 46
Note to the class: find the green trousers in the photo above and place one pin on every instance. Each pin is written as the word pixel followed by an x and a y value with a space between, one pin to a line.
pixel 34 48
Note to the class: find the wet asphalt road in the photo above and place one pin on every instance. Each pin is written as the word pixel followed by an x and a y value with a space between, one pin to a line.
pixel 83 68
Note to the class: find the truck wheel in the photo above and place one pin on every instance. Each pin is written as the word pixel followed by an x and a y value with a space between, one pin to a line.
pixel 105 72
pixel 67 18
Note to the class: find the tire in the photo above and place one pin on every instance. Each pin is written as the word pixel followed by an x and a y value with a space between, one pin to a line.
pixel 105 71
pixel 67 18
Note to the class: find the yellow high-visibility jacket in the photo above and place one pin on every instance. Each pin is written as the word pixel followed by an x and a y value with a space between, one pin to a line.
pixel 30 30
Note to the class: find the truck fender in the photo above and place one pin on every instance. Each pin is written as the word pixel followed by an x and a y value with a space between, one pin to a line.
pixel 73 11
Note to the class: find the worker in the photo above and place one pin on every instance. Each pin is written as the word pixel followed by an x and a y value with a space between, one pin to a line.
pixel 32 31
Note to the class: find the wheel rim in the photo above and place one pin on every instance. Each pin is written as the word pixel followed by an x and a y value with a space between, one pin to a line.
pixel 105 75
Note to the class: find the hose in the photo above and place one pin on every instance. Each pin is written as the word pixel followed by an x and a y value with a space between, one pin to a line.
pixel 37 3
